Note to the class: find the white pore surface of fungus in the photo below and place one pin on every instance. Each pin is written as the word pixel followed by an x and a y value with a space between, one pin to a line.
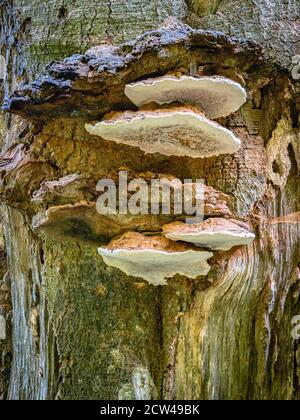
pixel 217 96
pixel 157 266
pixel 172 132
pixel 155 258
pixel 215 234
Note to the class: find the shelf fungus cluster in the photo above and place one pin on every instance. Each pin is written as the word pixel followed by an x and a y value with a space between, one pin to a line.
pixel 155 258
pixel 171 115
pixel 174 118
pixel 181 249
pixel 81 221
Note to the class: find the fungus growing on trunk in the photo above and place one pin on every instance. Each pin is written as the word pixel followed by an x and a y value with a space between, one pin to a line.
pixel 86 86
pixel 174 131
pixel 82 222
pixel 217 96
pixel 216 234
pixel 155 258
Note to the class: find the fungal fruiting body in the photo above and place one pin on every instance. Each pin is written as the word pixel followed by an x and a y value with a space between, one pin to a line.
pixel 215 234
pixel 176 129
pixel 82 222
pixel 181 131
pixel 155 258
pixel 217 96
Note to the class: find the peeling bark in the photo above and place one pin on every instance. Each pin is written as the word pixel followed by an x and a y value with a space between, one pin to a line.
pixel 5 319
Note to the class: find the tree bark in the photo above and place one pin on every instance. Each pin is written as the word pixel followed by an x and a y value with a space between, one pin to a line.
pixel 82 330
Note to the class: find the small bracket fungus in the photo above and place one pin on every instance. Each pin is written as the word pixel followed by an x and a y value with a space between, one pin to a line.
pixel 216 234
pixel 155 258
pixel 217 96
pixel 180 131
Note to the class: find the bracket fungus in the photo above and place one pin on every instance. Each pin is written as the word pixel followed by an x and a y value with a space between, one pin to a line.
pixel 88 85
pixel 213 233
pixel 174 131
pixel 155 258
pixel 217 96
pixel 61 217
pixel 82 222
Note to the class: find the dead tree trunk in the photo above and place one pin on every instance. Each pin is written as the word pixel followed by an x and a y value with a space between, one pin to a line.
pixel 82 330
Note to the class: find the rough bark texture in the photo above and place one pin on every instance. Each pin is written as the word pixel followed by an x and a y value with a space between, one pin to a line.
pixel 272 23
pixel 84 330
pixel 5 321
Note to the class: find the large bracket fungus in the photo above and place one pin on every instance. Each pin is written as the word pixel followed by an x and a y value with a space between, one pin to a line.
pixel 216 96
pixel 155 258
pixel 82 222
pixel 213 233
pixel 90 85
pixel 181 131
